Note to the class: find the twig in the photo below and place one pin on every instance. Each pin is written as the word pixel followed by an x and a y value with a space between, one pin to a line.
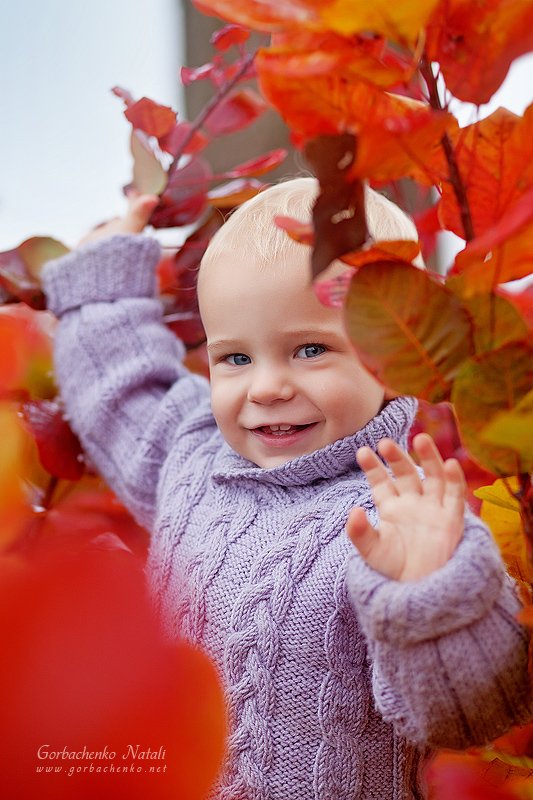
pixel 455 176
pixel 210 107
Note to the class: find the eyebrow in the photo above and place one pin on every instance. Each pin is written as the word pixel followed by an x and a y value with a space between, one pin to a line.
pixel 311 334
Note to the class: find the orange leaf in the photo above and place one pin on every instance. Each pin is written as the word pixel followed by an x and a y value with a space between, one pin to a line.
pixel 261 16
pixel 390 250
pixel 487 385
pixel 501 254
pixel 302 54
pixel 495 161
pixel 401 21
pixel 475 43
pixel 401 145
pixel 233 193
pixel 302 232
pixel 409 331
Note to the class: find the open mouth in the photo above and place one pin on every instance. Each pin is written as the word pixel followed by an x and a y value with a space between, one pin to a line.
pixel 281 430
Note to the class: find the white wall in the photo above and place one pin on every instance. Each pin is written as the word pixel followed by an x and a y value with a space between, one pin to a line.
pixel 64 152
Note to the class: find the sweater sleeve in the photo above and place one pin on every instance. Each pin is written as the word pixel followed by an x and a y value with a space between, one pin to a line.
pixel 119 369
pixel 449 659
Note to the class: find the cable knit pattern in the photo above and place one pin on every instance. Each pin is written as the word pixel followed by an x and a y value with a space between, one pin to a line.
pixel 338 681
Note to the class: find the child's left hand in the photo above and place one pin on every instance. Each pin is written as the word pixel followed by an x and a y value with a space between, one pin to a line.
pixel 420 521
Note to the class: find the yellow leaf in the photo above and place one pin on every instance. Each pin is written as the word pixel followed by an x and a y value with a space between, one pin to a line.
pixel 498 493
pixel 499 510
pixel 401 21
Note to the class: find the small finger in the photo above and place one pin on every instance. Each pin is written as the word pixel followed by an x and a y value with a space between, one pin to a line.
pixel 454 487
pixel 402 465
pixel 379 479
pixel 432 465
pixel 361 533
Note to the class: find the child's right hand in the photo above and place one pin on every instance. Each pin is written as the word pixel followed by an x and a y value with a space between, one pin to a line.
pixel 140 208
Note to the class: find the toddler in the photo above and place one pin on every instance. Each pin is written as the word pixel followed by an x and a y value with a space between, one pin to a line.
pixel 359 616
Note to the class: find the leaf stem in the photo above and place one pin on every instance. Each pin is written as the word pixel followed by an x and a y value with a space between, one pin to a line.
pixel 210 107
pixel 454 174
pixel 525 499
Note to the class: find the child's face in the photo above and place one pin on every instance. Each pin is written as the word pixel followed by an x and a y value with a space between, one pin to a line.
pixel 285 379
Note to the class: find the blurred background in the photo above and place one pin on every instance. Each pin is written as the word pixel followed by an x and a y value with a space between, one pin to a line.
pixel 64 142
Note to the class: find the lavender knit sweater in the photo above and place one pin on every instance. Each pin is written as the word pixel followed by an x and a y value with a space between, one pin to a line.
pixel 339 681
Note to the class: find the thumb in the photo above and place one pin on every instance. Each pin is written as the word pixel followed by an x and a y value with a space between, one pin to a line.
pixel 361 533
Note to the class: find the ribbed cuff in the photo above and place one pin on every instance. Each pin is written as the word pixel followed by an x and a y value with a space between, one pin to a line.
pixel 110 269
pixel 453 597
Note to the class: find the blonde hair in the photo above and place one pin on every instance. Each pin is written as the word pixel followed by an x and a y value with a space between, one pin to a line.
pixel 251 228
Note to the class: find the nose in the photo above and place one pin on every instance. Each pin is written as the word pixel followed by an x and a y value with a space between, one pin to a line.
pixel 268 385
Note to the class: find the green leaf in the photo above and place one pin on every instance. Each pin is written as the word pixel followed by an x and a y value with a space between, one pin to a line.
pixel 495 320
pixel 409 331
pixel 514 426
pixel 486 386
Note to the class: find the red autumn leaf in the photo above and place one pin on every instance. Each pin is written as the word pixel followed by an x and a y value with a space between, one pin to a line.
pixel 458 776
pixel 152 118
pixel 332 291
pixel 428 225
pixel 25 352
pixel 411 332
pixel 183 139
pixel 197 360
pixel 187 326
pixel 495 161
pixel 124 95
pixel 185 197
pixel 177 274
pixel 258 166
pixel 20 269
pixel 86 514
pixel 302 232
pixel 59 448
pixel 485 386
pixel 189 75
pixel 338 212
pixel 240 108
pixel 229 36
pixel 475 44
pixel 233 193
pixel 86 669
pixel 501 254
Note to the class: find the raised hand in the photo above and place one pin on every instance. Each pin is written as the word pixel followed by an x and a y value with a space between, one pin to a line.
pixel 420 521
pixel 140 208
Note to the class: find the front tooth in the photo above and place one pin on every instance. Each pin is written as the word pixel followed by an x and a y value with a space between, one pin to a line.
pixel 285 427
pixel 274 427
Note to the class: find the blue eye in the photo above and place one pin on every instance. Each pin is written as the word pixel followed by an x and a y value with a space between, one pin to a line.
pixel 311 351
pixel 238 359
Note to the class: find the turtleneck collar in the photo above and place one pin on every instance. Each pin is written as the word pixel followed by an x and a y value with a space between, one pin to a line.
pixel 338 458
